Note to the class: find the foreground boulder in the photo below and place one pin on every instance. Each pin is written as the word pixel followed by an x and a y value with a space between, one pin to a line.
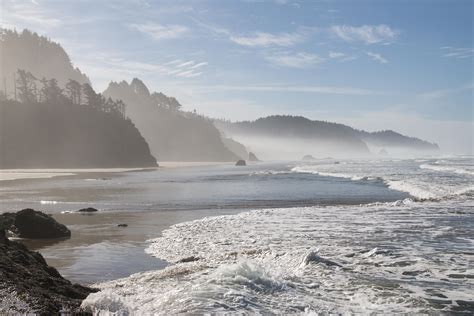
pixel 240 163
pixel 29 286
pixel 33 224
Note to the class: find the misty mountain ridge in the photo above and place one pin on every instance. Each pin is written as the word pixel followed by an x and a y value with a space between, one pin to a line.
pixel 176 135
pixel 173 134
pixel 318 138
pixel 37 54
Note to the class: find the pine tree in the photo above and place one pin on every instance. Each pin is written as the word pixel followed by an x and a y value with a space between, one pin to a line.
pixel 26 86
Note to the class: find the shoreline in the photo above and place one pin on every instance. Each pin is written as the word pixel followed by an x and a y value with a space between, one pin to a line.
pixel 47 173
pixel 99 234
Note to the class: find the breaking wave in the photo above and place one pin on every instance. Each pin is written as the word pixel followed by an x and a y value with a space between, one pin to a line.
pixel 422 182
pixel 351 259
pixel 400 257
pixel 447 169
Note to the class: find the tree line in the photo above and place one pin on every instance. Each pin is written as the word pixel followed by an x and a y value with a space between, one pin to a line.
pixel 29 89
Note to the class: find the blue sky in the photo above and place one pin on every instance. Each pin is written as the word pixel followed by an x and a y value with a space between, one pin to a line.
pixel 403 65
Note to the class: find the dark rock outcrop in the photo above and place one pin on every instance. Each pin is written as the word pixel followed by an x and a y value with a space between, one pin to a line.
pixel 122 225
pixel 25 275
pixel 188 259
pixel 253 157
pixel 29 223
pixel 240 163
pixel 88 210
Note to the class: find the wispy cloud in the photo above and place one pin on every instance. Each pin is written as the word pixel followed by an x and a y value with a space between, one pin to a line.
pixel 441 93
pixel 185 64
pixel 27 15
pixel 159 31
pixel 306 89
pixel 336 55
pixel 368 34
pixel 298 60
pixel 110 67
pixel 263 39
pixel 188 74
pixel 341 57
pixel 457 52
pixel 198 65
pixel 377 57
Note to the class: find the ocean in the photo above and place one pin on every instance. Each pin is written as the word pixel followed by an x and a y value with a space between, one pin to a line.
pixel 322 236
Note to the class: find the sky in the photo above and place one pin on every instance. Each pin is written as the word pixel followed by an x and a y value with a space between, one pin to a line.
pixel 405 65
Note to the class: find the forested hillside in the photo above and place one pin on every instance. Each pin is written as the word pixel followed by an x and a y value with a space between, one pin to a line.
pixel 173 135
pixel 38 55
pixel 49 127
pixel 318 138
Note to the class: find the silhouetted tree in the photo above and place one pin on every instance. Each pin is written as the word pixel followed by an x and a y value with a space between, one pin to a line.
pixel 107 105
pixel 73 89
pixel 121 107
pixel 37 54
pixel 26 86
pixel 43 91
pixel 165 102
pixel 92 99
pixel 51 92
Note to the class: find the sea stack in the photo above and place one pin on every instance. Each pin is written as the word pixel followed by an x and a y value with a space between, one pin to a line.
pixel 240 163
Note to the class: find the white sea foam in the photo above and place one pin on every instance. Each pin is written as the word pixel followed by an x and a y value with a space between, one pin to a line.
pixel 447 169
pixel 420 181
pixel 392 257
pixel 327 259
pixel 269 172
pixel 46 202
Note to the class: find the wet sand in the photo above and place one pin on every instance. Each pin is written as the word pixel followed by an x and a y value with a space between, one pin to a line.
pixel 99 250
pixel 20 174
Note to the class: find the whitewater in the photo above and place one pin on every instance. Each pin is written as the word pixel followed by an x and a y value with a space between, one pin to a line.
pixel 414 255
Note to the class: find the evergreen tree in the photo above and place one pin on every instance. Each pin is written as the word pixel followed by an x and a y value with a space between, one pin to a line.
pixel 73 89
pixel 92 99
pixel 51 92
pixel 26 86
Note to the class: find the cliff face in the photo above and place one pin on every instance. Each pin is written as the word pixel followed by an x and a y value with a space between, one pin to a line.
pixel 173 135
pixel 37 54
pixel 63 135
